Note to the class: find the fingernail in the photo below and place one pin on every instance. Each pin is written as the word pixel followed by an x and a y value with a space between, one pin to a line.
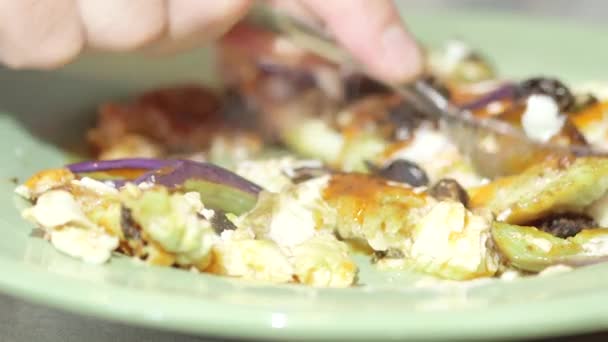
pixel 400 54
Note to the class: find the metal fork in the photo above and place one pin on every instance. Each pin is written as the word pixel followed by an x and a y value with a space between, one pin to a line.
pixel 494 148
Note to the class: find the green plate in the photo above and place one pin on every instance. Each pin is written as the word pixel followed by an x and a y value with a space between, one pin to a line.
pixel 46 110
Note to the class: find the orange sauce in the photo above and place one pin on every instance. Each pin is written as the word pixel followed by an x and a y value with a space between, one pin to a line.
pixel 119 174
pixel 591 115
pixel 357 196
pixel 482 195
pixel 51 177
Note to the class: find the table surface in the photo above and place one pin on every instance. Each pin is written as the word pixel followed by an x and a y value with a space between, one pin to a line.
pixel 21 321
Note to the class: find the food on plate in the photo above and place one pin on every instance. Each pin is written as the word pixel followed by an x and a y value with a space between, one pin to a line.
pixel 298 165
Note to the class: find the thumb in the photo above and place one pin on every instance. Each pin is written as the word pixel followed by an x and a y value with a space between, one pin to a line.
pixel 373 32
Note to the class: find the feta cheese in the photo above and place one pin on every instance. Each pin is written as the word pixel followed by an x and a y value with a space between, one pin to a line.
pixel 57 208
pixel 98 187
pixel 438 156
pixel 455 52
pixel 145 185
pixel 446 60
pixel 91 246
pixel 542 244
pixel 295 219
pixel 453 243
pixel 542 120
pixel 426 147
pixel 292 216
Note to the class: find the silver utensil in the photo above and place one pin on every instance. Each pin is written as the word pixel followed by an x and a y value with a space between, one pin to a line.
pixel 495 148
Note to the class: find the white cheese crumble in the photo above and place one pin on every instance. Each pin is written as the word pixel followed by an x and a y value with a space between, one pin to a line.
pixel 542 244
pixel 438 156
pixel 428 144
pixel 145 185
pixel 446 60
pixel 542 120
pixel 70 231
pixel 455 52
pixel 96 186
pixel 292 216
pixel 294 219
pixel 57 208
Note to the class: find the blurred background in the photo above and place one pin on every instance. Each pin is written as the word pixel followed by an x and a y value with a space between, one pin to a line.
pixel 586 11
pixel 21 321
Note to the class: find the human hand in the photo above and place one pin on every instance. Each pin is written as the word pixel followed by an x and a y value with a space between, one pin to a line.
pixel 44 34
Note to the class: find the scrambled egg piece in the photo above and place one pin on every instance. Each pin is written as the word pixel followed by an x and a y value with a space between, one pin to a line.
pixel 69 229
pixel 299 224
pixel 451 242
pixel 323 261
pixel 440 238
pixel 292 216
pixel 374 210
pixel 593 123
pixel 251 259
pixel 91 246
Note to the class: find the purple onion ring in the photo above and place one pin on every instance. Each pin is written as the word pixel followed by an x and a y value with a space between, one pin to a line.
pixel 505 91
pixel 170 173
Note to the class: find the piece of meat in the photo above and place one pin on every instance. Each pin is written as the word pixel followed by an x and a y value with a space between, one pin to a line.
pixel 182 118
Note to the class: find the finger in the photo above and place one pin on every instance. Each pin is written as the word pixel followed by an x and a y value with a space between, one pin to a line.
pixel 207 19
pixel 296 9
pixel 38 33
pixel 192 23
pixel 122 24
pixel 374 33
